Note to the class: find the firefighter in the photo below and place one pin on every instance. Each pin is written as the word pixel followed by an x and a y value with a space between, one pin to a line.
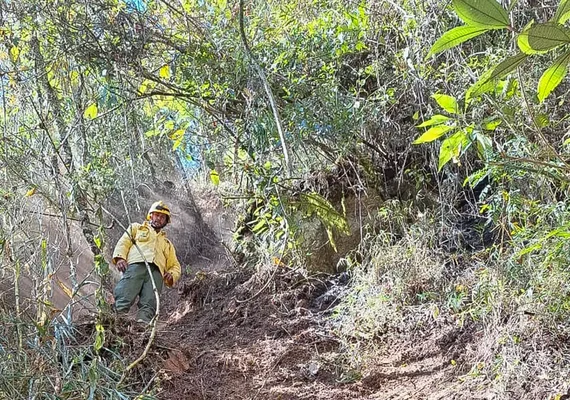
pixel 142 243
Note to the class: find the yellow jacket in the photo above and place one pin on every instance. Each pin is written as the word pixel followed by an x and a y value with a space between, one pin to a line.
pixel 155 248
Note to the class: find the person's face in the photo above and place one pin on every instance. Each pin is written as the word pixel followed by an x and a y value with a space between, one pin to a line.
pixel 158 220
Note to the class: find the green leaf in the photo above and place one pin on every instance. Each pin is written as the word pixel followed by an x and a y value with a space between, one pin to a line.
pixel 484 13
pixel 14 53
pixel 542 120
pixel 433 133
pixel 562 12
pixel 492 124
pixel 215 177
pixel 522 40
pixel 559 232
pixel 454 37
pixel 329 216
pixel 435 120
pixel 452 147
pixel 448 103
pixel 99 337
pixel 487 81
pixel 101 266
pixel 260 226
pixel 145 86
pixel 331 239
pixel 484 145
pixel 476 177
pixel 541 38
pixel 553 76
pixel 91 111
pixel 177 138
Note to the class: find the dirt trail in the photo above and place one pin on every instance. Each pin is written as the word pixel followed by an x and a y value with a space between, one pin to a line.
pixel 216 342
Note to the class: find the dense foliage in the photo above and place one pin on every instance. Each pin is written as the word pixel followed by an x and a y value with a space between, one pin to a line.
pixel 292 108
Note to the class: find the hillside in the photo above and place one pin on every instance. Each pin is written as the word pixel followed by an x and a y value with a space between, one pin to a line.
pixel 368 198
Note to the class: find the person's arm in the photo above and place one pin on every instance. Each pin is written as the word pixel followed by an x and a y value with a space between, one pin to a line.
pixel 121 252
pixel 172 266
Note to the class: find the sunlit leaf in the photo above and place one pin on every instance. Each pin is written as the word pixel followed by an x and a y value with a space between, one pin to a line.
pixel 542 120
pixel 452 147
pixel 14 53
pixel 484 145
pixel 454 37
pixel 99 337
pixel 433 133
pixel 177 137
pixel 97 241
pixel 151 133
pixel 91 112
pixel 215 177
pixel 540 38
pixel 484 13
pixel 562 12
pixel 329 216
pixel 448 103
pixel 143 88
pixel 260 226
pixel 164 72
pixel 74 77
pixel 553 76
pixel 435 120
pixel 492 125
pixel 488 80
pixel 476 177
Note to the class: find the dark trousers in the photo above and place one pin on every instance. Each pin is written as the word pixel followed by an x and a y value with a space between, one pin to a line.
pixel 136 282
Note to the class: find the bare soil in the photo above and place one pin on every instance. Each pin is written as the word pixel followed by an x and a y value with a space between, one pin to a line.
pixel 231 335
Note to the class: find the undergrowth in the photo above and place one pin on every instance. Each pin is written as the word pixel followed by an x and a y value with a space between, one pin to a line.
pixel 62 361
pixel 513 296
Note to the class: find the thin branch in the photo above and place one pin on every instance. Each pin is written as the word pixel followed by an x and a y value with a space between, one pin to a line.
pixel 267 89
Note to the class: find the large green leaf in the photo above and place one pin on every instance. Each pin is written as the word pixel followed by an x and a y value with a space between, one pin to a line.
pixel 483 13
pixel 553 76
pixel 541 38
pixel 452 147
pixel 433 133
pixel 448 103
pixel 562 12
pixel 329 216
pixel 488 80
pixel 456 36
pixel 437 119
